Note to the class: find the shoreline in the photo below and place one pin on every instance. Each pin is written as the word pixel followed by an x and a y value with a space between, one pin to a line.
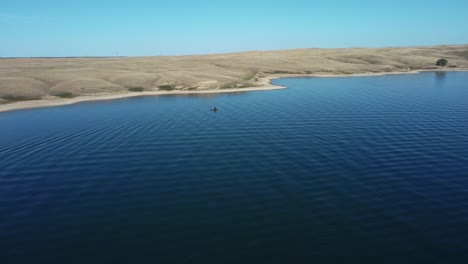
pixel 265 84
pixel 104 97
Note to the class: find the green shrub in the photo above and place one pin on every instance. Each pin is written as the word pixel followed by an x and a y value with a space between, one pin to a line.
pixel 64 94
pixel 442 62
pixel 14 98
pixel 229 85
pixel 136 89
pixel 166 87
pixel 237 85
pixel 286 72
pixel 281 72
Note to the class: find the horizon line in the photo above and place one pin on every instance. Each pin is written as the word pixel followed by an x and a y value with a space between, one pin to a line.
pixel 217 53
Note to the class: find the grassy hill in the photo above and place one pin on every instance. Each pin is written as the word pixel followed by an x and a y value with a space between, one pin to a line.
pixel 35 78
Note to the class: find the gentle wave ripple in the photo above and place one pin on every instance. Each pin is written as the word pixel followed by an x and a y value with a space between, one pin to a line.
pixel 368 169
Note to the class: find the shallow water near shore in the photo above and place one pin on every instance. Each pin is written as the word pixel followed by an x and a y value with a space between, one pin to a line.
pixel 369 169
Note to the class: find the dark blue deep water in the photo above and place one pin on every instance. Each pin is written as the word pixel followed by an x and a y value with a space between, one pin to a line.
pixel 349 170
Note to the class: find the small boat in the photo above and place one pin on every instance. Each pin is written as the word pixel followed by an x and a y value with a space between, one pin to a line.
pixel 214 109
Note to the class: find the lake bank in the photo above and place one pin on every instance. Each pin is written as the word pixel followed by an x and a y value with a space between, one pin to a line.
pixel 59 81
pixel 103 97
pixel 263 84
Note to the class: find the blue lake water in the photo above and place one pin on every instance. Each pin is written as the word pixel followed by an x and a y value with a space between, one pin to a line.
pixel 350 170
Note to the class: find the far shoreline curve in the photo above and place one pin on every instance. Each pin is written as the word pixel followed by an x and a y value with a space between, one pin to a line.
pixel 264 84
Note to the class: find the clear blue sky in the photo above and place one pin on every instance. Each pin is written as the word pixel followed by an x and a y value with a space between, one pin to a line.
pixel 174 27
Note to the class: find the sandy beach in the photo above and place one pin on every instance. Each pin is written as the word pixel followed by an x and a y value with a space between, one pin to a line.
pixel 61 101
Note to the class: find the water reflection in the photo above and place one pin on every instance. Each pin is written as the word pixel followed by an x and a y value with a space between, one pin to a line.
pixel 440 76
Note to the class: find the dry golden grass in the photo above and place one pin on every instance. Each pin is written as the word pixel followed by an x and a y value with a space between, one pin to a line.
pixel 32 78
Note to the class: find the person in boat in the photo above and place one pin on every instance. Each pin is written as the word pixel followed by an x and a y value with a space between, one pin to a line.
pixel 214 109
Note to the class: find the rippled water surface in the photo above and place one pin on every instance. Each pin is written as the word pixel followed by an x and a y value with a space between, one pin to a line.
pixel 360 169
